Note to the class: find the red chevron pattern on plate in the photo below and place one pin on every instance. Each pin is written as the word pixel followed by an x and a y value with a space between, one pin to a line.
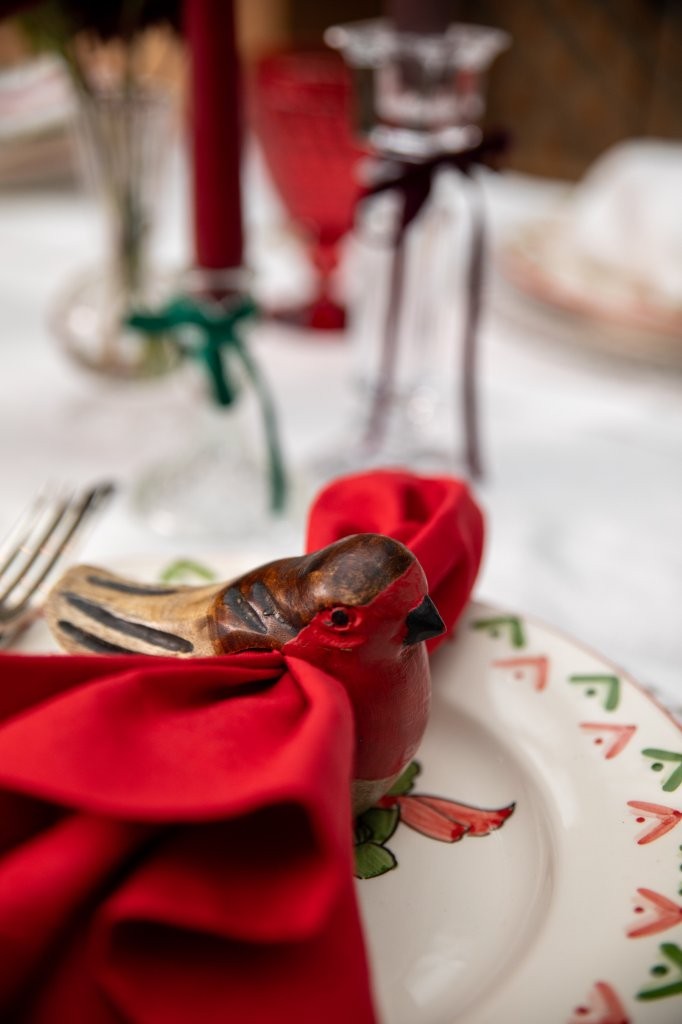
pixel 664 914
pixel 667 818
pixel 619 736
pixel 603 1007
pixel 534 669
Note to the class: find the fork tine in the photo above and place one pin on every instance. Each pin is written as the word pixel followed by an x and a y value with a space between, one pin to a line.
pixel 57 536
pixel 11 631
pixel 20 532
pixel 33 542
pixel 87 506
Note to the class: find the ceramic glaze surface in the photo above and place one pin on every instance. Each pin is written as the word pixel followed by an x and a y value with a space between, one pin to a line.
pixel 572 912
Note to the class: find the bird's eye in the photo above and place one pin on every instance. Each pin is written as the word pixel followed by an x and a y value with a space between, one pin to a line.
pixel 339 617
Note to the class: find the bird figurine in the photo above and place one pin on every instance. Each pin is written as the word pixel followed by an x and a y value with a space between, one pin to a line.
pixel 357 609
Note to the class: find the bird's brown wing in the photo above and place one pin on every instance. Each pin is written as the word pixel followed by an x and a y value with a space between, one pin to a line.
pixel 255 611
pixel 91 610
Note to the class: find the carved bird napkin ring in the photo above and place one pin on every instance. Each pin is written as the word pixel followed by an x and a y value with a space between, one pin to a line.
pixel 358 609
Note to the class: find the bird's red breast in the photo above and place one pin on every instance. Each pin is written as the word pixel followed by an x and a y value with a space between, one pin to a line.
pixel 388 681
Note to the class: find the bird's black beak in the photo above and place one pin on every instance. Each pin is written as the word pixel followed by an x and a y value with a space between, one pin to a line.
pixel 423 622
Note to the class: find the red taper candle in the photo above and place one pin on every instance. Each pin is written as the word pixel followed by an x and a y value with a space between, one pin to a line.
pixel 423 17
pixel 215 132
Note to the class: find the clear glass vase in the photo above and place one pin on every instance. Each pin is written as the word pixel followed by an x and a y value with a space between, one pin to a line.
pixel 221 478
pixel 124 133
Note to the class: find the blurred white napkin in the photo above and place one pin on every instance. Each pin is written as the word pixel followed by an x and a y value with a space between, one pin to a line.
pixel 626 216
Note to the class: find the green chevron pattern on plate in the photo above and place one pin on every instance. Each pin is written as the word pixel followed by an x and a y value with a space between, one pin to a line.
pixel 610 692
pixel 659 758
pixel 672 987
pixel 512 623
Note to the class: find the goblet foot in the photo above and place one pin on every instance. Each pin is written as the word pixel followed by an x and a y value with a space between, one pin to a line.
pixel 321 315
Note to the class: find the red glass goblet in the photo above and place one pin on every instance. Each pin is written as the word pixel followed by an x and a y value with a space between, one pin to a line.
pixel 302 117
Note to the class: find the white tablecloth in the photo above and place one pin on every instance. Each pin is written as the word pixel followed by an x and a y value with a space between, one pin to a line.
pixel 583 493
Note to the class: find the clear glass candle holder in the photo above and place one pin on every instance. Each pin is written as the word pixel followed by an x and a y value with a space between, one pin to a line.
pixel 416 283
pixel 418 94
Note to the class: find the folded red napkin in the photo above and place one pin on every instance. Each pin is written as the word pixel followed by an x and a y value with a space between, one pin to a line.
pixel 175 836
pixel 435 517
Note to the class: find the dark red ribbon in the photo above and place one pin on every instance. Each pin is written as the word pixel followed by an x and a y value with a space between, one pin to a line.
pixel 414 181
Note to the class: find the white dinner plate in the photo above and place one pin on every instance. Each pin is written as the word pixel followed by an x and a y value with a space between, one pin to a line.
pixel 569 912
pixel 590 303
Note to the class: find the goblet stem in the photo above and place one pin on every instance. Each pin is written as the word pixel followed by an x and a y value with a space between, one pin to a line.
pixel 325 312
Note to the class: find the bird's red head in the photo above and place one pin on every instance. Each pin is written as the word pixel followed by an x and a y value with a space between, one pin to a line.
pixel 366 592
pixel 380 611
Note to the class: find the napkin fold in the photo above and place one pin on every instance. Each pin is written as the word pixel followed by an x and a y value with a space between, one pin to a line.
pixel 175 836
pixel 436 517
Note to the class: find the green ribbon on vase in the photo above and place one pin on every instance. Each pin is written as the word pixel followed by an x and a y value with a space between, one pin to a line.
pixel 217 342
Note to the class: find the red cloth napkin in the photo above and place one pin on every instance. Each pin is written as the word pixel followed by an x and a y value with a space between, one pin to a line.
pixel 175 836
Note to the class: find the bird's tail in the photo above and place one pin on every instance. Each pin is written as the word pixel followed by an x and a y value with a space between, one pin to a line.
pixel 91 611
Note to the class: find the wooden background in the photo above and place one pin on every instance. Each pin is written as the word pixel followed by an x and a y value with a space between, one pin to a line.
pixel 580 76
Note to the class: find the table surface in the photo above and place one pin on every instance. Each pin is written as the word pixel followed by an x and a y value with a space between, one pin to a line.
pixel 583 489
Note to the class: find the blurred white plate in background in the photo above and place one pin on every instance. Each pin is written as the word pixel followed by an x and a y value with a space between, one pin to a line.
pixel 598 308
pixel 608 260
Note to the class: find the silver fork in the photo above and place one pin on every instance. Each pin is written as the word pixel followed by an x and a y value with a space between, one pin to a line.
pixel 44 534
